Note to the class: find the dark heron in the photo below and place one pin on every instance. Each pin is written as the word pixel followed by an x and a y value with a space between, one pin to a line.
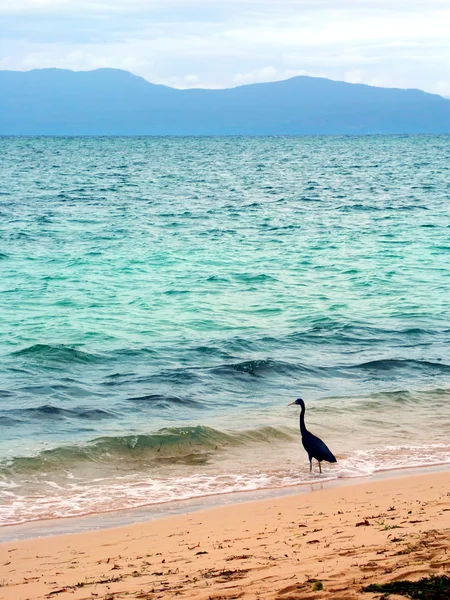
pixel 313 445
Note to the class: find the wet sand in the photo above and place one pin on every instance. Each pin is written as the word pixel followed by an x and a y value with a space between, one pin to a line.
pixel 339 539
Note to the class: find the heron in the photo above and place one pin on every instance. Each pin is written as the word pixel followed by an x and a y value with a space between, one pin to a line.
pixel 313 445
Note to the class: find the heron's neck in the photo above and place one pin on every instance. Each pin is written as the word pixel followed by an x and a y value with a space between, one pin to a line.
pixel 302 421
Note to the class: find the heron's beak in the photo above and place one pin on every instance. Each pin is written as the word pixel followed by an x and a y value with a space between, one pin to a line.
pixel 291 404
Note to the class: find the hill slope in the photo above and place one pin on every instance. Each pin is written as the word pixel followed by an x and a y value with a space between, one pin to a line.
pixel 115 102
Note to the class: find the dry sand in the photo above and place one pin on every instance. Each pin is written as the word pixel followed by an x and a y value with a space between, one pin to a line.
pixel 346 537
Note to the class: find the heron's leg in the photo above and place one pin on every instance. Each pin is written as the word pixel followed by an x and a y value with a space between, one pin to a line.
pixel 310 465
pixel 320 466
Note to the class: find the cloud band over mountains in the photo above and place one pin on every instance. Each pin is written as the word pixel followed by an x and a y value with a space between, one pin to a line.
pixel 212 43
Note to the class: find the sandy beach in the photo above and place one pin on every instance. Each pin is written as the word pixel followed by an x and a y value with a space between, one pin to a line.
pixel 324 544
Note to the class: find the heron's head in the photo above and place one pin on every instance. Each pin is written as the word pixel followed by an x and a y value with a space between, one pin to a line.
pixel 298 402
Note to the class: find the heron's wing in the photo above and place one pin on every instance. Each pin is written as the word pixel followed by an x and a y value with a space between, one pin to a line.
pixel 318 449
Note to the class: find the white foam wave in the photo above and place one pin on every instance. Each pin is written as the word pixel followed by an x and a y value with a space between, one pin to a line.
pixel 78 497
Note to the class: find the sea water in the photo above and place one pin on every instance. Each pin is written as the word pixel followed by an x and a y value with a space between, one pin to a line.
pixel 162 300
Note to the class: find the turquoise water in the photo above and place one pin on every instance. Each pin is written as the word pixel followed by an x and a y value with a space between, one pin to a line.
pixel 163 299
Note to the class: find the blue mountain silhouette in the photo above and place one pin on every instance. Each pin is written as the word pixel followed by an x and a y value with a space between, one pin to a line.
pixel 116 102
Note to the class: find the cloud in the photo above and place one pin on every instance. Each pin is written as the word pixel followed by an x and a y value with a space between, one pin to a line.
pixel 231 42
pixel 265 74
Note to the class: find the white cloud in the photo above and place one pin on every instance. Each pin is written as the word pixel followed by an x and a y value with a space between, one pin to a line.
pixel 403 43
pixel 263 74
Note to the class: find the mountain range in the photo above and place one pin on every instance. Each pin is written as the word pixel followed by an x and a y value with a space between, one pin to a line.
pixel 116 102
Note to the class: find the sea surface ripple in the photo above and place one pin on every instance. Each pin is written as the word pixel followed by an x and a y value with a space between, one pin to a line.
pixel 163 299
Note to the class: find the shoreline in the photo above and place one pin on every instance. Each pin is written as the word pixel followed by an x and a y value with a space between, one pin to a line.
pixel 344 537
pixel 114 519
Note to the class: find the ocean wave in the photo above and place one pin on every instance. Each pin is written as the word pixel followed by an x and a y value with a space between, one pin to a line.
pixel 334 330
pixel 8 421
pixel 267 367
pixel 260 368
pixel 174 444
pixel 389 364
pixel 74 497
pixel 49 411
pixel 175 376
pixel 254 277
pixel 385 400
pixel 58 353
pixel 161 400
pixel 217 279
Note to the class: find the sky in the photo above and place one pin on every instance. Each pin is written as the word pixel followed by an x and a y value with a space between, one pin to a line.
pixel 224 43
